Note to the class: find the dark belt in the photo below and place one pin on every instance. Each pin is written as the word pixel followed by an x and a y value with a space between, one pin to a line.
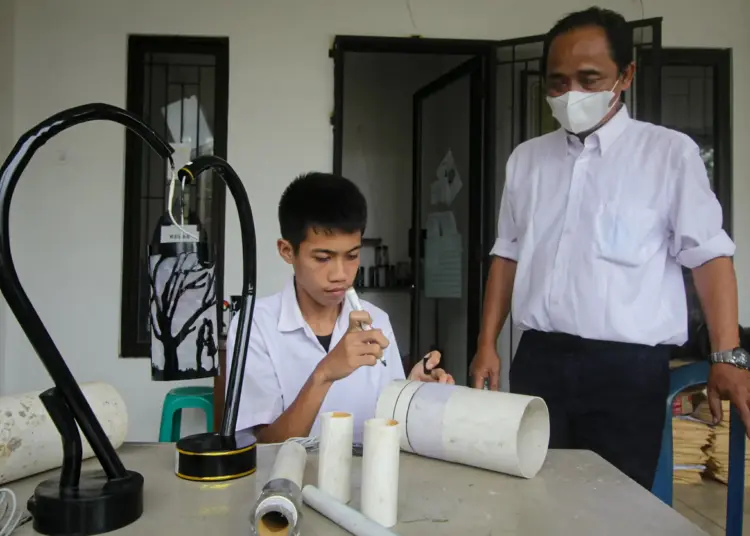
pixel 566 342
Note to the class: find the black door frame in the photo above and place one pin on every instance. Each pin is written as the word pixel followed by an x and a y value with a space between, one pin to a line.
pixel 473 69
pixel 485 51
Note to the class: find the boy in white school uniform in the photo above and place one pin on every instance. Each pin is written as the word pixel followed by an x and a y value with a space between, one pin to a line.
pixel 307 353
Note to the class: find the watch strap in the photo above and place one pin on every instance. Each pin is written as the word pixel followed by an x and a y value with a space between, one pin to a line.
pixel 737 357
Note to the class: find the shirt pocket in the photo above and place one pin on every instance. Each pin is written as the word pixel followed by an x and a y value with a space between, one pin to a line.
pixel 628 235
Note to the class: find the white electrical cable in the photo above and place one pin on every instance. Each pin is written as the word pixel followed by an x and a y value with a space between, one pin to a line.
pixel 173 179
pixel 311 443
pixel 10 515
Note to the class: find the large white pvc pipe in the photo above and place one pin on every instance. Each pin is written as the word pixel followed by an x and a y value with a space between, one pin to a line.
pixel 335 455
pixel 278 509
pixel 380 466
pixel 502 432
pixel 344 516
pixel 29 440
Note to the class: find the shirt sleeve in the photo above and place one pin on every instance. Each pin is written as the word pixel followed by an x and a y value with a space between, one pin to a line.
pixel 696 215
pixel 506 243
pixel 392 355
pixel 261 398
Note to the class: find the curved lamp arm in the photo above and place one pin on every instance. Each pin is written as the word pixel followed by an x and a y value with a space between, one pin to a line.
pixel 189 173
pixel 14 294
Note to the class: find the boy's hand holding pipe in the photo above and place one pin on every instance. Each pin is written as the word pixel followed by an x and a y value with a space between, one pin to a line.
pixel 357 348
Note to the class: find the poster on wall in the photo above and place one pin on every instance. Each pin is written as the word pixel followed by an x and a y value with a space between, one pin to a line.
pixel 443 257
pixel 447 181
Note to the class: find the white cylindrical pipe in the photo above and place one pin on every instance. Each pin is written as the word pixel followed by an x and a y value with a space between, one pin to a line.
pixel 29 440
pixel 380 459
pixel 502 432
pixel 335 455
pixel 344 516
pixel 278 509
pixel 290 463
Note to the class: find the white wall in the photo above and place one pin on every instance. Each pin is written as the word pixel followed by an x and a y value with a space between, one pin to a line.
pixel 68 247
pixel 7 13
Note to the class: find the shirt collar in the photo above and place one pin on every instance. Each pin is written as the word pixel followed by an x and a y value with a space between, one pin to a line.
pixel 603 138
pixel 290 316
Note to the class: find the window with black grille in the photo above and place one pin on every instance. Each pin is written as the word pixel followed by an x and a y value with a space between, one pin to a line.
pixel 696 100
pixel 179 86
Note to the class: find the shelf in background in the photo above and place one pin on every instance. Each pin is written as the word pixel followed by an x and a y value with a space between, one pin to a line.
pixel 384 289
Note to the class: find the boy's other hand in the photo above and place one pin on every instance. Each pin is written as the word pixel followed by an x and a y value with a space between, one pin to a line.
pixel 432 374
pixel 356 348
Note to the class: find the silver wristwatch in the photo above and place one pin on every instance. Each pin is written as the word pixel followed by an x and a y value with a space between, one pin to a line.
pixel 737 357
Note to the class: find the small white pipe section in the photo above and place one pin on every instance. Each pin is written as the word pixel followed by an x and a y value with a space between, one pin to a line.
pixel 344 516
pixel 335 455
pixel 290 463
pixel 380 466
pixel 503 432
pixel 277 511
pixel 29 440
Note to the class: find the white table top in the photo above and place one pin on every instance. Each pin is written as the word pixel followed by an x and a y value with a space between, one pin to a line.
pixel 576 493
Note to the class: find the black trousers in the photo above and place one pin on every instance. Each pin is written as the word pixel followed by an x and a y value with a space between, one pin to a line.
pixel 603 396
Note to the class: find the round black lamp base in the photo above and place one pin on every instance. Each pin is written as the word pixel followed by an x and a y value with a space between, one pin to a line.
pixel 96 506
pixel 212 457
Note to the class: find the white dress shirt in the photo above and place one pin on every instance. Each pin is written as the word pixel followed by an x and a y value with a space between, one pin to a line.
pixel 283 352
pixel 600 230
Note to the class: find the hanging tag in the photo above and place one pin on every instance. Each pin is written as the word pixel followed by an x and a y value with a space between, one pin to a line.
pixel 171 234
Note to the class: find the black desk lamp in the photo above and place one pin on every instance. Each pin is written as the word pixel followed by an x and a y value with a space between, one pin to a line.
pixel 74 503
pixel 227 454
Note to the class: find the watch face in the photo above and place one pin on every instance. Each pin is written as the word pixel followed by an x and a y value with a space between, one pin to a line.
pixel 741 357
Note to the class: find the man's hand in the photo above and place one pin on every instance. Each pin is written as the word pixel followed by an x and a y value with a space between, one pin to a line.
pixel 356 349
pixel 486 366
pixel 727 382
pixel 432 374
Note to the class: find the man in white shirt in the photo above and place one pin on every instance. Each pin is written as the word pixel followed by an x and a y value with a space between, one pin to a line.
pixel 307 352
pixel 596 222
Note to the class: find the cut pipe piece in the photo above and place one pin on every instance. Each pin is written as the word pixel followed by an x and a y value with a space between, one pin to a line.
pixel 30 442
pixel 344 516
pixel 380 466
pixel 503 432
pixel 335 456
pixel 279 508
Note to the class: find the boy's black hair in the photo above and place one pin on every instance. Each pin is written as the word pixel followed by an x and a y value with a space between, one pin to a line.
pixel 323 202
pixel 619 34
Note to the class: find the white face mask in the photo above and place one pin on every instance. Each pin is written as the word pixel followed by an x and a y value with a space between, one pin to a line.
pixel 579 111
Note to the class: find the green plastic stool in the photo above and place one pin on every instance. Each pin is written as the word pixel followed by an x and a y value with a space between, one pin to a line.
pixel 198 397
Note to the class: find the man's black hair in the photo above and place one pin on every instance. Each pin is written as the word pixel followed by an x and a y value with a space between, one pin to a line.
pixel 619 34
pixel 322 202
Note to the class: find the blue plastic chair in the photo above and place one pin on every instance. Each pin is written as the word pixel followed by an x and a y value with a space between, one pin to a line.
pixel 683 378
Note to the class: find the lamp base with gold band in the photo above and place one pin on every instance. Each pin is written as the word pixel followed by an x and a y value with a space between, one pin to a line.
pixel 212 457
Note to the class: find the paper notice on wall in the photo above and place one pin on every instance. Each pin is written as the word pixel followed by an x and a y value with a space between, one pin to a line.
pixel 449 178
pixel 443 257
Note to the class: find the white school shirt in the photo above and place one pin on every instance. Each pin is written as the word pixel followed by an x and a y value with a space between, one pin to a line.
pixel 600 230
pixel 283 352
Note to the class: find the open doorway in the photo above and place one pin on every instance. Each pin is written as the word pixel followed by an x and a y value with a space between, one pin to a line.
pixel 409 111
pixel 425 127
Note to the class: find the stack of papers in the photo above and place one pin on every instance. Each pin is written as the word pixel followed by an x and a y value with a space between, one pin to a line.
pixel 717 466
pixel 691 437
